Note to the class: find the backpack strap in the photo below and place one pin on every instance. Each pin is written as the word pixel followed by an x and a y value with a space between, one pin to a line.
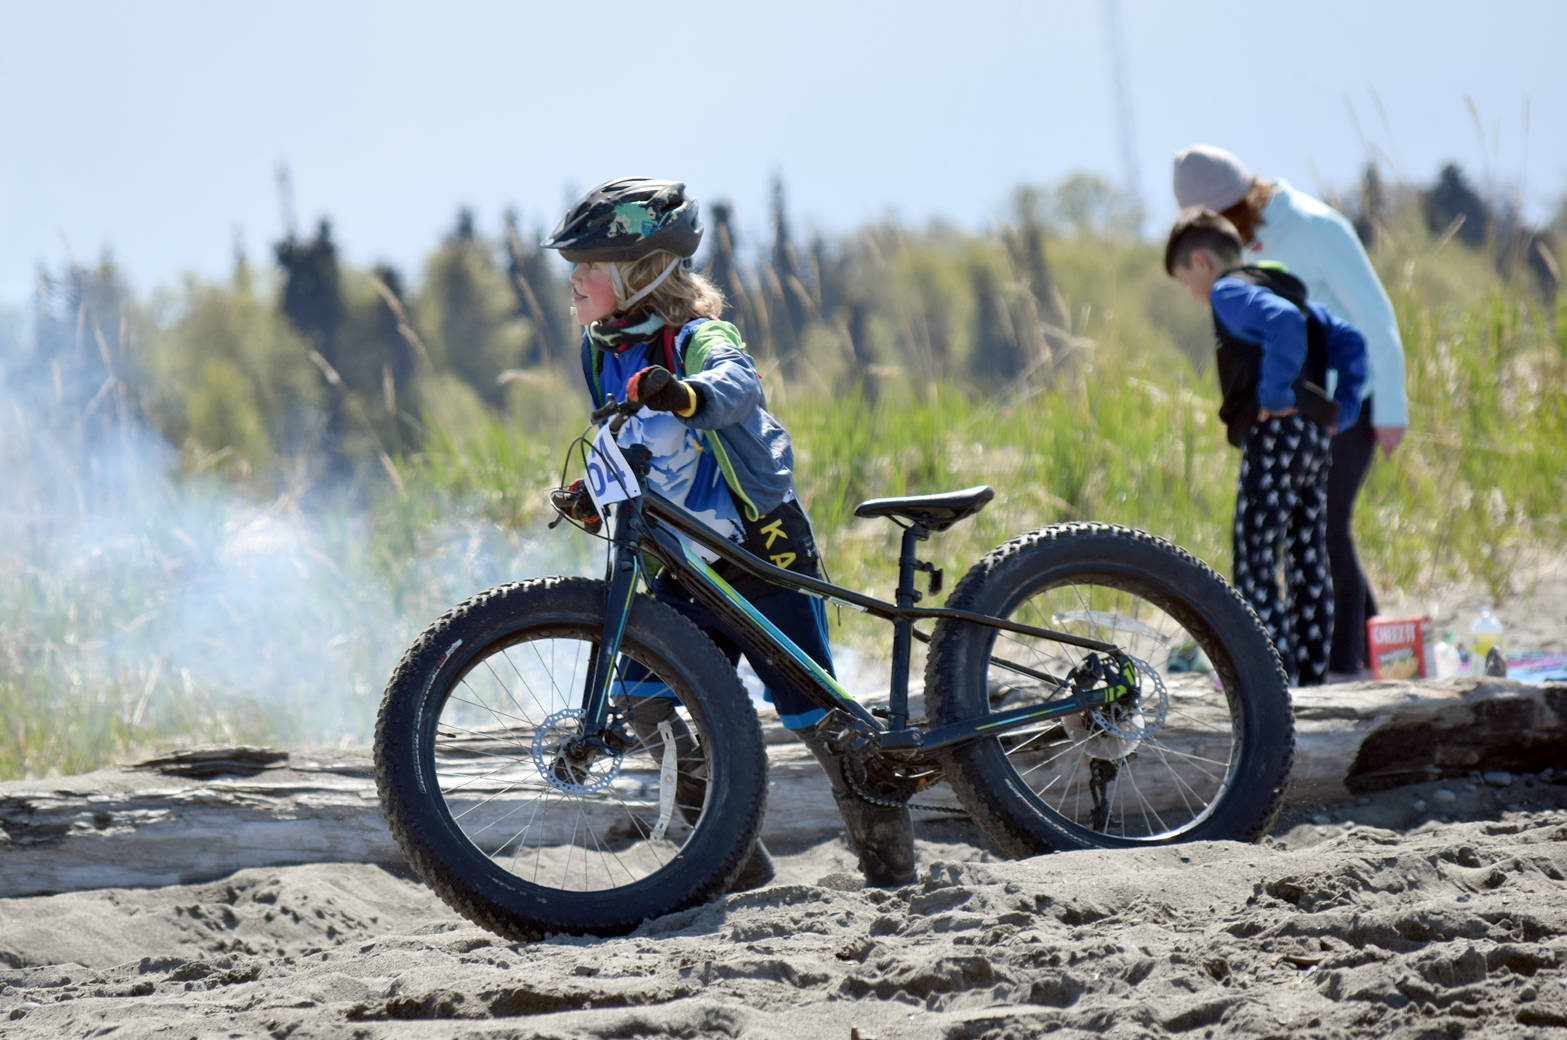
pixel 676 342
pixel 1273 277
pixel 592 364
pixel 672 360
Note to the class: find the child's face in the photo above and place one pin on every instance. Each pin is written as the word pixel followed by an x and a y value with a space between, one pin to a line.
pixel 592 293
pixel 1198 272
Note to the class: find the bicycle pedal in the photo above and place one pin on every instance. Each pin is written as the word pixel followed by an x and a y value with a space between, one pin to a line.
pixel 882 713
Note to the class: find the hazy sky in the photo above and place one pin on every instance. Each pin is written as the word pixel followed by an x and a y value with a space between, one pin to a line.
pixel 155 129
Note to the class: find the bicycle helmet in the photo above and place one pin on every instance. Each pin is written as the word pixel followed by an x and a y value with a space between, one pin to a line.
pixel 626 219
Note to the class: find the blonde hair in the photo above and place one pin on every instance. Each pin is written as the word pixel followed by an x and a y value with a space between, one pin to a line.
pixel 682 296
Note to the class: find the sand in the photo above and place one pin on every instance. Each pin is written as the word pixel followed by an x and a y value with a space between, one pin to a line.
pixel 1437 910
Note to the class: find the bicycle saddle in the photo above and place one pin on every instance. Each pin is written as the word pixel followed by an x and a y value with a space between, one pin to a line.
pixel 933 512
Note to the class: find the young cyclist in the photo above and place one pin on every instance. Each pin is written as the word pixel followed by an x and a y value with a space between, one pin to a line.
pixel 651 335
pixel 1275 349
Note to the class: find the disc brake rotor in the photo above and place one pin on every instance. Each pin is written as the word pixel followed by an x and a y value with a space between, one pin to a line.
pixel 1116 730
pixel 567 762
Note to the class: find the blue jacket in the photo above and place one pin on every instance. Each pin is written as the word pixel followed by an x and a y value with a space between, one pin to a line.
pixel 752 448
pixel 1264 360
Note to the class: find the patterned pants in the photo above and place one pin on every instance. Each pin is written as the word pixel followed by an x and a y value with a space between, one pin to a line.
pixel 1281 521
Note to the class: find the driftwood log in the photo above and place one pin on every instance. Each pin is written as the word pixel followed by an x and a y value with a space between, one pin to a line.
pixel 200 814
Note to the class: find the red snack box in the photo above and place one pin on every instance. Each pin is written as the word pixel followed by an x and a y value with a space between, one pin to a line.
pixel 1399 647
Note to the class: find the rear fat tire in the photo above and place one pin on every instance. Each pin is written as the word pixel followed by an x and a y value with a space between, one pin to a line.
pixel 1115 561
pixel 480 887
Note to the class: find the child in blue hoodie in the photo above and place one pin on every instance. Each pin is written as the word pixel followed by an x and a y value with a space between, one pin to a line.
pixel 1278 355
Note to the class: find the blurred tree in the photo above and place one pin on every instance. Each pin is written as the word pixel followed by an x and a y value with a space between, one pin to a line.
pixel 380 368
pixel 230 384
pixel 724 269
pixel 312 299
pixel 1453 201
pixel 1026 241
pixel 81 366
pixel 1373 207
pixel 538 283
pixel 997 357
pixel 467 314
pixel 790 300
pixel 1084 204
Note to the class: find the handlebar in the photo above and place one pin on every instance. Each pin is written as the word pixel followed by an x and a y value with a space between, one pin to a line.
pixel 621 410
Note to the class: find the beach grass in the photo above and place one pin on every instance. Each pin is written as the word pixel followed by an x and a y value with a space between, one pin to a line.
pixel 1124 431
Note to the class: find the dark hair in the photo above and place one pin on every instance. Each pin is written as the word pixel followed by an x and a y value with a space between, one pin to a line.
pixel 1199 227
pixel 1246 214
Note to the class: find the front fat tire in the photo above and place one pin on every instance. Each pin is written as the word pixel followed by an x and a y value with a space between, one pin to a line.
pixel 483 888
pixel 1153 575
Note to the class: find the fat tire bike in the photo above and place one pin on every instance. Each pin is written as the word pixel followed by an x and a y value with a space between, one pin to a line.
pixel 566 754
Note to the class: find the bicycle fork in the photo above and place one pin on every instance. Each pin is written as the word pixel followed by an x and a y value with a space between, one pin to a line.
pixel 593 738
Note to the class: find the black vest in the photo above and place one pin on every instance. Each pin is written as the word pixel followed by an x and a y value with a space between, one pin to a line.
pixel 1239 361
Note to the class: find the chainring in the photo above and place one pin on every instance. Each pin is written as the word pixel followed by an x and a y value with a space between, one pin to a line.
pixel 880 783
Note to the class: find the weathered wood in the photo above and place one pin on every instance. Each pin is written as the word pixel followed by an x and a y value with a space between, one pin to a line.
pixel 1371 736
pixel 201 814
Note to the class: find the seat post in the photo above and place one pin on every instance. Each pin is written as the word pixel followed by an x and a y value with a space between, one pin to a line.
pixel 902 628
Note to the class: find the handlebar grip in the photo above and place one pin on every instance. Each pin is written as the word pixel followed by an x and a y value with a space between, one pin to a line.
pixel 621 410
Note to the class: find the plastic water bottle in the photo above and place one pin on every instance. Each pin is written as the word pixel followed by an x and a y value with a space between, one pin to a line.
pixel 1485 645
pixel 1445 659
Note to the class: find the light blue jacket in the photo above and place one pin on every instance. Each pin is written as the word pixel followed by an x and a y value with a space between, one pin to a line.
pixel 1317 245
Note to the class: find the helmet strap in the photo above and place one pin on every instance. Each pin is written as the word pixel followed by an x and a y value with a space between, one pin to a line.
pixel 620 285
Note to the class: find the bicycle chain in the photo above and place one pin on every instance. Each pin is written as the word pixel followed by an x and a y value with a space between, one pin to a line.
pixel 1160 699
pixel 864 794
pixel 861 792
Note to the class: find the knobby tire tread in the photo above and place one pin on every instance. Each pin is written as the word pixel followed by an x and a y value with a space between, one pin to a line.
pixel 426 844
pixel 1006 817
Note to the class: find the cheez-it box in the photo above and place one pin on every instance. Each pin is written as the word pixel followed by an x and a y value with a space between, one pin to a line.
pixel 1399 647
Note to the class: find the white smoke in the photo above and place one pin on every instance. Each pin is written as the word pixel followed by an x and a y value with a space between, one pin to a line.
pixel 173 601
pixel 191 613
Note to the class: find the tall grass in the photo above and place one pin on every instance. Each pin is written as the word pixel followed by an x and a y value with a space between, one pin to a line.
pixel 1132 437
pixel 1126 432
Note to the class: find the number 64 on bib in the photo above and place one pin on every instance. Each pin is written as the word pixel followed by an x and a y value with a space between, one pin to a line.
pixel 609 476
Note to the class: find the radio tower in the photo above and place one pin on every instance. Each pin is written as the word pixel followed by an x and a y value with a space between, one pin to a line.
pixel 1123 101
pixel 285 192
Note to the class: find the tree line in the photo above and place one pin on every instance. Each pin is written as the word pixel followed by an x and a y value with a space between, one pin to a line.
pixel 311 369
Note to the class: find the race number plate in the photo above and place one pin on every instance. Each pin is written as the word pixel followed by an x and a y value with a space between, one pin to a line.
pixel 609 475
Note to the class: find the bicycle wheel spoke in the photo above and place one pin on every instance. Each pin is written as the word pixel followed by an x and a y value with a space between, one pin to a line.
pixel 1172 754
pixel 544 799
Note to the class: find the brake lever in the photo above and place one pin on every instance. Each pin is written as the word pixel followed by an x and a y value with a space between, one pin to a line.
pixel 623 411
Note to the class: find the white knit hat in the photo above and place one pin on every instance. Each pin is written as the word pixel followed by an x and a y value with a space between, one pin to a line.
pixel 1209 176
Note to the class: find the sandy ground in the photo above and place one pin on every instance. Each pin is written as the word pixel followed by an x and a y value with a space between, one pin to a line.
pixel 1437 910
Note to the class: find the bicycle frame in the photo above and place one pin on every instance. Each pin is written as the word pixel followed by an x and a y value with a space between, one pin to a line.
pixel 652 524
